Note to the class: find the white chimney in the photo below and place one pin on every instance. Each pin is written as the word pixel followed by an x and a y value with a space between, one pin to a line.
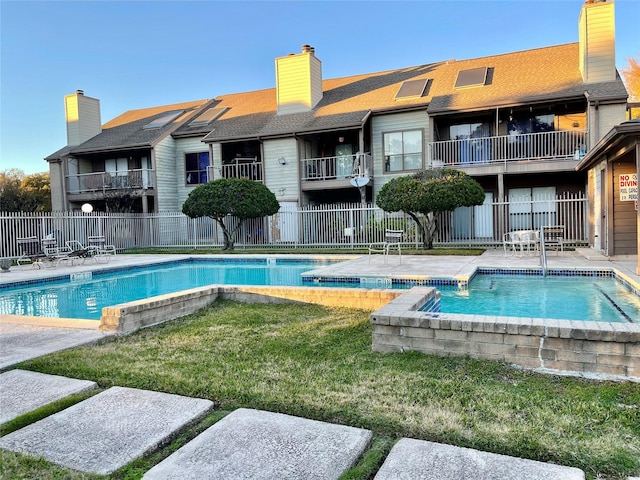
pixel 83 117
pixel 597 42
pixel 298 81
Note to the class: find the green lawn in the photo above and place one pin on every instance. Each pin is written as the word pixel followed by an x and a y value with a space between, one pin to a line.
pixel 317 362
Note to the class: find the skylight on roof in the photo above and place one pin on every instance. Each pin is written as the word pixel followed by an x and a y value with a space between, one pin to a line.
pixel 472 77
pixel 163 120
pixel 208 116
pixel 413 88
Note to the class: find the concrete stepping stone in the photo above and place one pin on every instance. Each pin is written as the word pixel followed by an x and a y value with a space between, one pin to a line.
pixel 24 342
pixel 253 444
pixel 22 391
pixel 108 430
pixel 414 459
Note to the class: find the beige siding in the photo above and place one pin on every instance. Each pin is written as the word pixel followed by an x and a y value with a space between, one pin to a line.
pixel 56 181
pixel 183 146
pixel 298 83
pixel 282 180
pixel 625 240
pixel 394 123
pixel 167 181
pixel 610 116
pixel 82 115
pixel 597 42
pixel 216 160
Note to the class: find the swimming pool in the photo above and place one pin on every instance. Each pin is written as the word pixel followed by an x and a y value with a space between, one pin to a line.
pixel 588 298
pixel 84 294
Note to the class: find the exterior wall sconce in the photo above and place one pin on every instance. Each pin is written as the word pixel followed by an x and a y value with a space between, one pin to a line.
pixel 281 191
pixel 282 161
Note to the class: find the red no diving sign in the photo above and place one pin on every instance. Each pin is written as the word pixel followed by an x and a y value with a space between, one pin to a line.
pixel 628 187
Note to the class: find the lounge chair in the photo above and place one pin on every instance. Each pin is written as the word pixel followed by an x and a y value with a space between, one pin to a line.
pixel 54 253
pixel 392 239
pixel 100 251
pixel 30 251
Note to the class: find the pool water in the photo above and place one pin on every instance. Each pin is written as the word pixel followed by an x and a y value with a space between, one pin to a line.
pixel 569 298
pixel 559 297
pixel 86 298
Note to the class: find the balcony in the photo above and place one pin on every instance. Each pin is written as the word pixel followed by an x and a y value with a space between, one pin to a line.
pixel 242 167
pixel 104 181
pixel 510 149
pixel 325 172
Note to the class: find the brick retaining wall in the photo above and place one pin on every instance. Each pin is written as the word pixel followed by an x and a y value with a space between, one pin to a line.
pixel 130 316
pixel 598 349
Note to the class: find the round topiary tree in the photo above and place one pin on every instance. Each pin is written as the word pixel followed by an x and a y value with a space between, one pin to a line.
pixel 427 193
pixel 236 197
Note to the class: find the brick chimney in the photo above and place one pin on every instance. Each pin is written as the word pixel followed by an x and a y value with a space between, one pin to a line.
pixel 597 41
pixel 83 117
pixel 298 81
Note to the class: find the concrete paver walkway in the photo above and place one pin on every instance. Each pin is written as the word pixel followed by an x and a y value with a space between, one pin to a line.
pixel 113 428
pixel 107 431
pixel 249 444
pixel 24 391
pixel 413 459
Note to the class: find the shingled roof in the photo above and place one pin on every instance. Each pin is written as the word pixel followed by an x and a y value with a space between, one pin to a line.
pixel 130 130
pixel 531 76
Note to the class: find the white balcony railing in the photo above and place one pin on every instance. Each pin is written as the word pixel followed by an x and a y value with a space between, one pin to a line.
pixel 103 181
pixel 245 167
pixel 558 145
pixel 336 168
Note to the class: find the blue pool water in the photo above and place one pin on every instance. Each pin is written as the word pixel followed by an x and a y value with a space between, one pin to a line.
pixel 85 298
pixel 589 298
pixel 573 298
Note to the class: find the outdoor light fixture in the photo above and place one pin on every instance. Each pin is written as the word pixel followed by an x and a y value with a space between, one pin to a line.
pixel 282 161
pixel 87 208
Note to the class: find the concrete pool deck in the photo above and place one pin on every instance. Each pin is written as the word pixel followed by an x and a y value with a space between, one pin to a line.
pixel 109 443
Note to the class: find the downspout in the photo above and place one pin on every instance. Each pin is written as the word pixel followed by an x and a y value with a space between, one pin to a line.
pixel 64 184
pixel 596 120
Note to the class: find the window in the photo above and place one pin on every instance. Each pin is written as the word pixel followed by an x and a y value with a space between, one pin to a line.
pixel 472 77
pixel 413 88
pixel 196 167
pixel 470 146
pixel 163 120
pixel 208 116
pixel 402 151
pixel 531 208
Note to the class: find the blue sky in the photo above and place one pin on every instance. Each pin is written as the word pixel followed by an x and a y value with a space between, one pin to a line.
pixel 146 53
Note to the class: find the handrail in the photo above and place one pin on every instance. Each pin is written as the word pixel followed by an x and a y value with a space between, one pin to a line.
pixel 336 167
pixel 101 181
pixel 556 145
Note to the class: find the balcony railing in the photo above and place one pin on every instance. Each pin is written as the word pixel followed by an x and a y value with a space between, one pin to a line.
pixel 103 181
pixel 559 145
pixel 245 167
pixel 336 168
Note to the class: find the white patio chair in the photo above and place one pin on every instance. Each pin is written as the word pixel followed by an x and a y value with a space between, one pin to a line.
pixel 392 240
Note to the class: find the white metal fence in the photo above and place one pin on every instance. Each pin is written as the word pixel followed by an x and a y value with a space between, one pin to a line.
pixel 348 226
